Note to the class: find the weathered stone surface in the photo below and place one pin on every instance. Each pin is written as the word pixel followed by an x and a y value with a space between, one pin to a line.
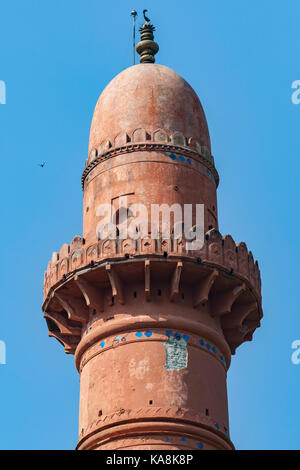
pixel 148 96
pixel 152 324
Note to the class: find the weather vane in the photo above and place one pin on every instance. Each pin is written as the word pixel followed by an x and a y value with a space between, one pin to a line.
pixel 134 14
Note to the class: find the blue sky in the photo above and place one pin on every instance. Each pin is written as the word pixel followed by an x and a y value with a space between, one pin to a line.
pixel 55 58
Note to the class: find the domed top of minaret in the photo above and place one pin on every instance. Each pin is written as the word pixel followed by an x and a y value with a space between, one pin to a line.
pixel 149 97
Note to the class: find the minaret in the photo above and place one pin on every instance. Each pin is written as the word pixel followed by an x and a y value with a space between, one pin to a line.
pixel 151 322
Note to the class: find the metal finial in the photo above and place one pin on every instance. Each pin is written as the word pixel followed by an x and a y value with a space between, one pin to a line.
pixel 147 48
pixel 133 14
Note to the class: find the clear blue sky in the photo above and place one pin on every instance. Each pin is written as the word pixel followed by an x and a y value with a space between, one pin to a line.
pixel 56 57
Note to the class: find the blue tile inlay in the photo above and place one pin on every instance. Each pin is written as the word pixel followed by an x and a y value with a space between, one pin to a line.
pixel 177 335
pixel 183 439
pixel 201 342
pixel 167 439
pixel 223 359
pixel 200 445
pixel 208 346
pixel 169 332
pixel 210 175
pixel 214 349
pixel 148 334
pixel 139 334
pixel 186 338
pixel 182 159
pixel 118 338
pixel 217 426
pixel 102 344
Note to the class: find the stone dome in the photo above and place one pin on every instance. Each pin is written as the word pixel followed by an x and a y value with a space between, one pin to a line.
pixel 148 97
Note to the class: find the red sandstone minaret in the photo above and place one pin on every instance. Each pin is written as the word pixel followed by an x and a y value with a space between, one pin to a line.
pixel 152 324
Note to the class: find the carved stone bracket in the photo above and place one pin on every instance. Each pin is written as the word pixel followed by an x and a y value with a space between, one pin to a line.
pixel 175 281
pixel 147 280
pixel 238 314
pixel 203 287
pixel 69 342
pixel 222 303
pixel 75 307
pixel 92 294
pixel 62 324
pixel 116 284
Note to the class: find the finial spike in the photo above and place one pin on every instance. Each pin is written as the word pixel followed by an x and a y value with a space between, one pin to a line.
pixel 147 48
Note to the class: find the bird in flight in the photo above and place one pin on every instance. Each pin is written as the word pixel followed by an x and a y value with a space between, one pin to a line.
pixel 42 164
pixel 146 19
